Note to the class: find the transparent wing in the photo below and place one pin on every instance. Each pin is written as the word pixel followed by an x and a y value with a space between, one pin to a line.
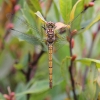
pixel 22 24
pixel 24 31
pixel 26 37
pixel 27 32
pixel 61 41
pixel 34 40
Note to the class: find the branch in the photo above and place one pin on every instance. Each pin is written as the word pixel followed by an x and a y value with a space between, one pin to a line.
pixel 71 66
pixel 91 4
pixel 32 67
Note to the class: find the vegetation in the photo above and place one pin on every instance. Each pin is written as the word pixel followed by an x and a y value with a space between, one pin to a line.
pixel 24 71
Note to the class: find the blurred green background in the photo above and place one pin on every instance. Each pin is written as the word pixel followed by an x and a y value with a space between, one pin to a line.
pixel 24 60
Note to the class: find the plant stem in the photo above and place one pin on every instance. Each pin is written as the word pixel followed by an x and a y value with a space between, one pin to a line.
pixel 32 67
pixel 71 72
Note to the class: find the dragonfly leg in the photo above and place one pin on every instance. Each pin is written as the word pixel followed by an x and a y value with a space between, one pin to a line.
pixel 44 27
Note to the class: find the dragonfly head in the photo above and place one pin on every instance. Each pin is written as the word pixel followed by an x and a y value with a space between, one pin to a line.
pixel 50 24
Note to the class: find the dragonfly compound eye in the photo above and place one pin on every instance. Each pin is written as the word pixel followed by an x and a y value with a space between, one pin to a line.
pixel 50 24
pixel 48 30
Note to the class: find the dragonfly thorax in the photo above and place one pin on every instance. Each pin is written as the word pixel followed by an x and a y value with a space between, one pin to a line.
pixel 50 26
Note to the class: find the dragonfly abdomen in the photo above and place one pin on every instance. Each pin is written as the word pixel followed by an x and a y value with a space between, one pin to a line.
pixel 50 26
pixel 50 49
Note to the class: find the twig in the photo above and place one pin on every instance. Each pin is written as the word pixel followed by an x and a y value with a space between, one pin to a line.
pixel 85 8
pixel 33 64
pixel 31 67
pixel 71 68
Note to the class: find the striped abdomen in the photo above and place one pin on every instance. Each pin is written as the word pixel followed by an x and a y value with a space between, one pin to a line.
pixel 50 49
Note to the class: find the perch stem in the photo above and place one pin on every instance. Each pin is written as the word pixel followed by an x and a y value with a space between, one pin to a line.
pixel 71 68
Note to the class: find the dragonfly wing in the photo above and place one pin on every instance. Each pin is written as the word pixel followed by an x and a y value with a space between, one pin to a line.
pixel 22 22
pixel 30 39
pixel 60 42
pixel 26 37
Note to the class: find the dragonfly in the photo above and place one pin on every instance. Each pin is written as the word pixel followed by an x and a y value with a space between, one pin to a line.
pixel 52 38
pixel 50 26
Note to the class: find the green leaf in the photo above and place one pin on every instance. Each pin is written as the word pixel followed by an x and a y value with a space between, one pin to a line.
pixel 82 96
pixel 34 5
pixel 66 58
pixel 72 14
pixel 88 61
pixel 18 66
pixel 38 87
pixel 48 6
pixel 20 88
pixel 64 67
pixel 92 23
pixel 1 97
pixel 56 11
pixel 6 62
pixel 97 93
pixel 89 14
pixel 29 17
pixel 76 22
pixel 65 9
pixel 73 2
pixel 23 62
pixel 40 16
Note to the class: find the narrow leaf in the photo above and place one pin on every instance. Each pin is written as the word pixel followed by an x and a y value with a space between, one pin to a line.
pixel 72 14
pixel 64 67
pixel 76 22
pixel 34 5
pixel 65 59
pixel 65 9
pixel 40 16
pixel 6 62
pixel 97 94
pixel 48 6
pixel 38 87
pixel 88 61
pixel 92 23
pixel 56 11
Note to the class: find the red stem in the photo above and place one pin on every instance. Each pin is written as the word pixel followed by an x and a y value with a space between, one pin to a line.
pixel 71 68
